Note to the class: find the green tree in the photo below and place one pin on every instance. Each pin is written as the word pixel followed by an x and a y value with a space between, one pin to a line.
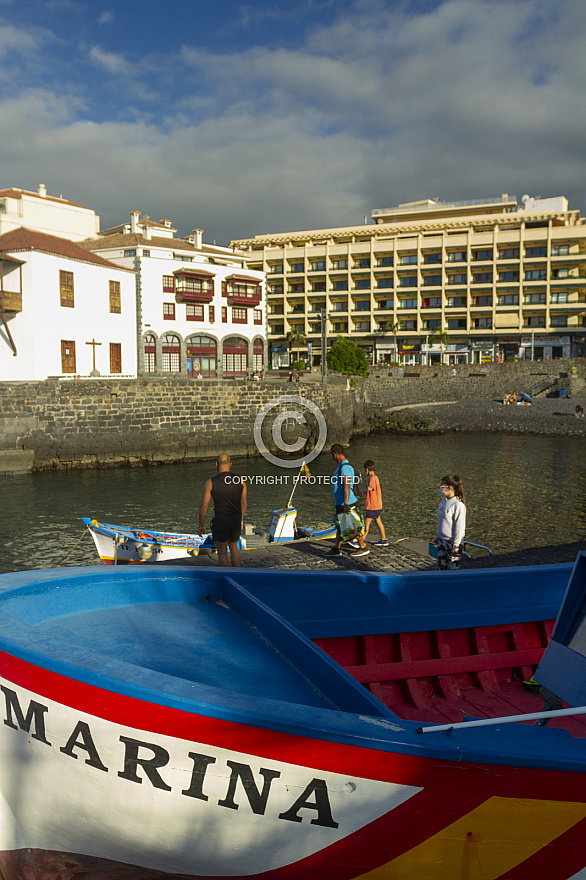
pixel 346 357
pixel 296 339
pixel 442 337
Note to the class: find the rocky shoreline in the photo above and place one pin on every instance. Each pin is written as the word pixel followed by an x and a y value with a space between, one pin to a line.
pixel 545 417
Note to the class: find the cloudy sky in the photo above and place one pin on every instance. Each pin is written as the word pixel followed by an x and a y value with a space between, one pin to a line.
pixel 253 117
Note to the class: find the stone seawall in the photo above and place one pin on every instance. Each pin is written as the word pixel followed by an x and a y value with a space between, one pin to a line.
pixel 106 423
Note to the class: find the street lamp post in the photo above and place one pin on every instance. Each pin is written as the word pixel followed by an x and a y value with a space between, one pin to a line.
pixel 324 347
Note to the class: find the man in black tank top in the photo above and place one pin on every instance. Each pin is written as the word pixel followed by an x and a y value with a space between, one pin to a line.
pixel 229 493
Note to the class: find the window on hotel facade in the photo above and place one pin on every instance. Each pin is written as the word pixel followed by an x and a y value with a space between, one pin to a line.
pixel 239 316
pixel 257 316
pixel 297 267
pixel 536 275
pixel 212 314
pixel 339 264
pixel 408 260
pixel 362 263
pixel 150 354
pixel 432 258
pixel 482 278
pixel 318 266
pixel 482 301
pixel 340 307
pixel 362 305
pixel 408 281
pixel 432 280
pixel 276 288
pixel 183 258
pixel 408 304
pixel 482 255
pixel 432 324
pixel 460 278
pixel 66 294
pixel 68 356
pixel 340 285
pixel 296 288
pixel 457 324
pixel 168 284
pixel 170 353
pixel 384 282
pixel 535 321
pixel 508 276
pixel 457 257
pixel 115 357
pixel 561 297
pixel 385 304
pixel 362 326
pixel 540 251
pixel 482 323
pixel 560 250
pixel 276 269
pixel 534 298
pixel 318 286
pixel 194 312
pixel 558 320
pixel 408 325
pixel 362 284
pixel 432 302
pixel 508 299
pixel 560 273
pixel 340 328
pixel 384 261
pixel 168 311
pixel 511 253
pixel 456 302
pixel 146 253
pixel 115 303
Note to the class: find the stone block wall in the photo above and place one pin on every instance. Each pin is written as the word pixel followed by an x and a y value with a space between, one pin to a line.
pixel 105 423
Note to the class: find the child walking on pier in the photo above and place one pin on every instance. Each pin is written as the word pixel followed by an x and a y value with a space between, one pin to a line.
pixel 451 523
pixel 373 506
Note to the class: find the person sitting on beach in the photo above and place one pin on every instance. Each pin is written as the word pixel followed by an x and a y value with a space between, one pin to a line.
pixel 579 411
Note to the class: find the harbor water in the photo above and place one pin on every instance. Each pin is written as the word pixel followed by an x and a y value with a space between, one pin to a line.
pixel 521 492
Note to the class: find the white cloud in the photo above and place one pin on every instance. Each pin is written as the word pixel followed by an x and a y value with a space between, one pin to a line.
pixel 468 98
pixel 107 17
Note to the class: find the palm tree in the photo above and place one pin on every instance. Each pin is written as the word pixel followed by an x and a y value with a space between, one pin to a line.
pixel 442 337
pixel 296 339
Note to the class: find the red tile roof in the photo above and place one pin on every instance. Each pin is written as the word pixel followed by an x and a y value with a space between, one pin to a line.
pixel 23 239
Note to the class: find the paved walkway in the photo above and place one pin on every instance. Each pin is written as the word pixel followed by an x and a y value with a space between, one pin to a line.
pixel 403 554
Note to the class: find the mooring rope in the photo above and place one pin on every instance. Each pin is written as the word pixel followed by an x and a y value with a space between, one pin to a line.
pixel 67 555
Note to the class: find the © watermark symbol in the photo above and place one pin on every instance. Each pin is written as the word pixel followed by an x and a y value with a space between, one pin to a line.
pixel 296 415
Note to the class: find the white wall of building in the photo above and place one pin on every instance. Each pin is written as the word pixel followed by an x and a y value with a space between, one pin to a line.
pixel 44 213
pixel 37 331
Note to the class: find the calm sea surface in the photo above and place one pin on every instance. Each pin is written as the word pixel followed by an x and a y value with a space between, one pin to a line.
pixel 520 491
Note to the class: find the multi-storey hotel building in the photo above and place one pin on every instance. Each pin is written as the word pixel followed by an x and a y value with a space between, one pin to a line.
pixel 500 279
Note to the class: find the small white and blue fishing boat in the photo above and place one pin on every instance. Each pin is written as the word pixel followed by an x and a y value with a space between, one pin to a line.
pixel 120 545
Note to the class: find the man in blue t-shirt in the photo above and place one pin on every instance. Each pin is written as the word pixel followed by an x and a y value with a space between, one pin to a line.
pixel 345 500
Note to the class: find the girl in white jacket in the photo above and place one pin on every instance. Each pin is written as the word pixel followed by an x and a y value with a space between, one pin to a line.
pixel 451 522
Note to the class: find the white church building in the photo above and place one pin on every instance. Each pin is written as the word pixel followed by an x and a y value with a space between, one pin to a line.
pixel 64 311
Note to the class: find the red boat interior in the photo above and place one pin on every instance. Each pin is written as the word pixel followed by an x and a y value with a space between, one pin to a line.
pixel 442 676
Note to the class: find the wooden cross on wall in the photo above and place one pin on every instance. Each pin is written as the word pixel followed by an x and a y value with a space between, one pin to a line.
pixel 94 343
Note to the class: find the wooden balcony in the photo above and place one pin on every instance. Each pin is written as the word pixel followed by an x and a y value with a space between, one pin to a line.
pixel 10 301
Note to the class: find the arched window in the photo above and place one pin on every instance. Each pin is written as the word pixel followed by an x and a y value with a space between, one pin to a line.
pixel 235 357
pixel 258 360
pixel 202 356
pixel 150 354
pixel 171 353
